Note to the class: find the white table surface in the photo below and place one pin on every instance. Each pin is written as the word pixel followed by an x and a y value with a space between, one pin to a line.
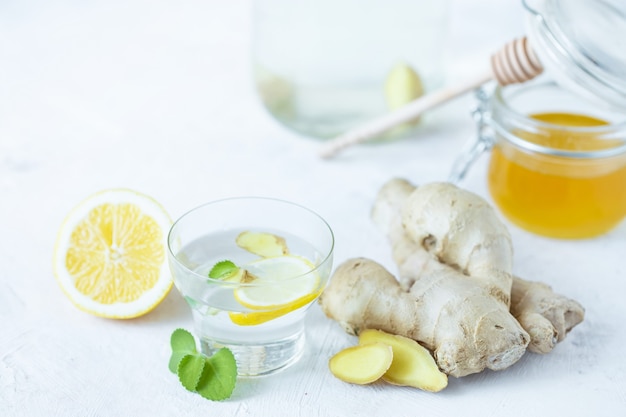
pixel 157 96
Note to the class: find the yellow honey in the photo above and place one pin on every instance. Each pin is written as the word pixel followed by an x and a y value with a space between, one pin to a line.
pixel 560 194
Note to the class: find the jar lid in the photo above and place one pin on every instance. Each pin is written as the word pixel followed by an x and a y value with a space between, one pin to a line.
pixel 582 43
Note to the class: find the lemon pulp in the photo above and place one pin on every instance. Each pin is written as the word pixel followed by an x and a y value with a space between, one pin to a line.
pixel 115 254
pixel 110 254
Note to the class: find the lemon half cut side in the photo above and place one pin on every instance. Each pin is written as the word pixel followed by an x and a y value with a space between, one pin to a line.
pixel 110 254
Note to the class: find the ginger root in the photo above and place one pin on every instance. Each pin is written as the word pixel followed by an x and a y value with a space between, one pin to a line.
pixel 453 321
pixel 544 314
pixel 453 295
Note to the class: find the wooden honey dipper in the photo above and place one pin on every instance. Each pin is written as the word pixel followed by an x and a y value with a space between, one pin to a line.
pixel 516 62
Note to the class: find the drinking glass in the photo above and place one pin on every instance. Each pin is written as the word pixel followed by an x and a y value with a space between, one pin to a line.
pixel 242 314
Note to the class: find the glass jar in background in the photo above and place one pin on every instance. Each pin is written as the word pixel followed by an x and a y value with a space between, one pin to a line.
pixel 320 66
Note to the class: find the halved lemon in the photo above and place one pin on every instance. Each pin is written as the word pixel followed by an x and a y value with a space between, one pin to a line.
pixel 282 284
pixel 110 254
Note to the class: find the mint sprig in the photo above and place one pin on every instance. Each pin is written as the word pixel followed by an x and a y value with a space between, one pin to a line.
pixel 223 270
pixel 213 377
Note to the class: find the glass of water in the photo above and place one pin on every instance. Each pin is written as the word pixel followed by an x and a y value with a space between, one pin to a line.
pixel 249 268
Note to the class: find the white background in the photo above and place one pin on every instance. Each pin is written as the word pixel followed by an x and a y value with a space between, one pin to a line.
pixel 157 96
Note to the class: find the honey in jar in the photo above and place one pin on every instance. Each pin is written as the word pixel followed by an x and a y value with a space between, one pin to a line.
pixel 575 188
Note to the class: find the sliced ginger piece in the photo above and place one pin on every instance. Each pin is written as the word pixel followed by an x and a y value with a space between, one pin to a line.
pixel 263 244
pixel 412 364
pixel 362 364
pixel 243 276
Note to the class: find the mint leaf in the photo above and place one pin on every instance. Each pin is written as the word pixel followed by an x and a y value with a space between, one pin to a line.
pixel 212 377
pixel 190 370
pixel 183 341
pixel 219 376
pixel 223 270
pixel 183 344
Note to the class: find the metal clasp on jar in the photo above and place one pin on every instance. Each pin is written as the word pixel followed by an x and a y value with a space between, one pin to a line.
pixel 482 141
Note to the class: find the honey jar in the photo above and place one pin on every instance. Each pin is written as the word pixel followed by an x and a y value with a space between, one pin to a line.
pixel 557 165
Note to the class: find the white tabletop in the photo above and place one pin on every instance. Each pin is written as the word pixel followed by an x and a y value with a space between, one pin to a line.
pixel 157 96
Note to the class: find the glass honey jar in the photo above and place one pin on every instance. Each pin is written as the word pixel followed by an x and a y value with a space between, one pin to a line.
pixel 557 165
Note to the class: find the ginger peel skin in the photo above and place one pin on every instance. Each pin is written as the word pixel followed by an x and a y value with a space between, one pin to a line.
pixel 454 290
pixel 364 295
pixel 546 315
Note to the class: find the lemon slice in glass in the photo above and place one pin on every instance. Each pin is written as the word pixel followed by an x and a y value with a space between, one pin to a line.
pixel 282 284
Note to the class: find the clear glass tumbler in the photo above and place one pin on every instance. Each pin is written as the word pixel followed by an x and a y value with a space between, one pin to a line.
pixel 286 252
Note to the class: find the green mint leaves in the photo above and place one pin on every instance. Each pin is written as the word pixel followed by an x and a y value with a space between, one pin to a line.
pixel 223 270
pixel 212 377
pixel 183 344
pixel 219 376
